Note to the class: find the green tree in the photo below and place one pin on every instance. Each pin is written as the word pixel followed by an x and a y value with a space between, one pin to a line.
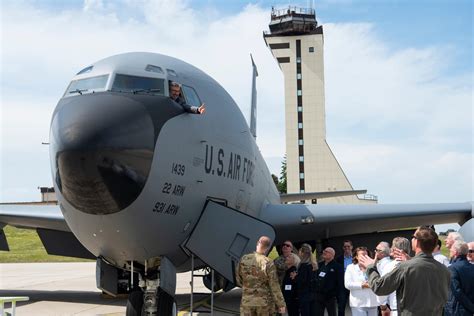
pixel 282 183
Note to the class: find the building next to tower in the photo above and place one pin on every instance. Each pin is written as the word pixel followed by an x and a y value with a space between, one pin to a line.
pixel 297 43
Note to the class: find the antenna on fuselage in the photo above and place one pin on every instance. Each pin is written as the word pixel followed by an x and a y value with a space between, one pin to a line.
pixel 253 101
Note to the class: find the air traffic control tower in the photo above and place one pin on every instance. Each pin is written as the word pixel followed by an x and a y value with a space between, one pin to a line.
pixel 296 41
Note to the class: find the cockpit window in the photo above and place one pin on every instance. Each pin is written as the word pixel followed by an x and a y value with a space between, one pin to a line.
pixel 154 68
pixel 191 96
pixel 87 85
pixel 135 84
pixel 171 72
pixel 85 70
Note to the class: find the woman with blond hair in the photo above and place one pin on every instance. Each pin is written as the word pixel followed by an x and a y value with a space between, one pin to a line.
pixel 306 269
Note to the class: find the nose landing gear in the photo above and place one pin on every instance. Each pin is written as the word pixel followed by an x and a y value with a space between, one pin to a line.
pixel 154 298
pixel 151 303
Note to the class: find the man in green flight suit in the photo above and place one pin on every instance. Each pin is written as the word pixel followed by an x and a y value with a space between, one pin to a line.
pixel 256 274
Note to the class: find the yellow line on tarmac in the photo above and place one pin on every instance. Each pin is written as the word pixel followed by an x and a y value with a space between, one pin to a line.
pixel 195 306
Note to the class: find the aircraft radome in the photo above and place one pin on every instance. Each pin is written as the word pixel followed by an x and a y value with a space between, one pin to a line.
pixel 143 185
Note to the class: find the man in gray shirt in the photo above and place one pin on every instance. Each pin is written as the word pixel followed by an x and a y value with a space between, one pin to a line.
pixel 421 283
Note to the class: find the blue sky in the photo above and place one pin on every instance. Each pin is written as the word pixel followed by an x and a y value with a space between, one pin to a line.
pixel 398 75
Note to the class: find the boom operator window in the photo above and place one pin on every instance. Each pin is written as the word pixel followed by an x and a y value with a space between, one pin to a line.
pixel 87 85
pixel 129 83
pixel 191 96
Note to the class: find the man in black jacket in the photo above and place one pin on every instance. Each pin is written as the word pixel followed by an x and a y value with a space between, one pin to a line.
pixel 461 294
pixel 344 260
pixel 329 283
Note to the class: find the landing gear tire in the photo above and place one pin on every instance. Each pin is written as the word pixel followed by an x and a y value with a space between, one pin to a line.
pixel 135 303
pixel 166 304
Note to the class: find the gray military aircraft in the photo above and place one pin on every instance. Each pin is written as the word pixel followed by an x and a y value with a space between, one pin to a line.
pixel 145 187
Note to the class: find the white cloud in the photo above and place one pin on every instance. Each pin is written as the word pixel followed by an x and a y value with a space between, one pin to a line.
pixel 405 173
pixel 395 99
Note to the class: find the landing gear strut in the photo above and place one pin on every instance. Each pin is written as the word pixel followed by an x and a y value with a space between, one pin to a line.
pixel 152 299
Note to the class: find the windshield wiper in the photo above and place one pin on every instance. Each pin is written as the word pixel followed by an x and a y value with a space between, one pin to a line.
pixel 78 91
pixel 145 90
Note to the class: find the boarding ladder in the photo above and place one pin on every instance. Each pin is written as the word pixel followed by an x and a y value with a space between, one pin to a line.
pixel 194 275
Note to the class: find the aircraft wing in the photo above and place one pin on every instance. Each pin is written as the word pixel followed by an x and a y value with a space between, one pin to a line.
pixel 301 222
pixel 33 216
pixel 50 225
pixel 284 198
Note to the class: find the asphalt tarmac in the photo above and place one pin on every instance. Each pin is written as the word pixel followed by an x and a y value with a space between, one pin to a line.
pixel 70 289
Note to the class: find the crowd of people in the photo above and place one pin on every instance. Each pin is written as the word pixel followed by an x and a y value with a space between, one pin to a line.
pixel 388 281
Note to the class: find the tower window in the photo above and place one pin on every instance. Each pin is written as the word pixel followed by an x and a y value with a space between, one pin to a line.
pixel 300 142
pixel 280 45
pixel 300 125
pixel 299 92
pixel 298 60
pixel 301 175
pixel 311 49
pixel 301 158
pixel 298 76
pixel 282 60
pixel 300 109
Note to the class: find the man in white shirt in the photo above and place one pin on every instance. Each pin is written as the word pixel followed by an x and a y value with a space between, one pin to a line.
pixel 440 257
pixel 382 256
pixel 450 239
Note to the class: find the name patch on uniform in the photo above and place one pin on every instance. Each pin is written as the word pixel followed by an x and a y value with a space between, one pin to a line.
pixel 322 274
pixel 288 287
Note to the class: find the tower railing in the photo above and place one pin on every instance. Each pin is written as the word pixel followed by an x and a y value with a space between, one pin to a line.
pixel 291 11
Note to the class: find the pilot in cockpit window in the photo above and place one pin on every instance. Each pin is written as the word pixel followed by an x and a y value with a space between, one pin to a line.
pixel 176 95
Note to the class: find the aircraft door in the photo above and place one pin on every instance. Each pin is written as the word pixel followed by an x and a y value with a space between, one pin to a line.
pixel 223 235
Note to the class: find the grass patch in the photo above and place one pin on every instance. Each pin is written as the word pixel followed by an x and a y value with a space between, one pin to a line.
pixel 273 254
pixel 25 246
pixel 444 250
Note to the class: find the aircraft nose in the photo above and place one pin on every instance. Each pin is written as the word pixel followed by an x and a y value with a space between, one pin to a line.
pixel 101 149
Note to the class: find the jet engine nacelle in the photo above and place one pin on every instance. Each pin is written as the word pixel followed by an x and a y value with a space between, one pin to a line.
pixel 467 230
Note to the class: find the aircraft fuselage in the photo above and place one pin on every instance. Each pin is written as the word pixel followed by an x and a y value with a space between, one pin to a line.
pixel 133 171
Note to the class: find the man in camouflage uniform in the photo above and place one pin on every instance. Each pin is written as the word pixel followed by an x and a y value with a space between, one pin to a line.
pixel 256 274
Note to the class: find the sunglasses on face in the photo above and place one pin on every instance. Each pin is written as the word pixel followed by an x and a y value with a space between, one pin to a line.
pixel 471 250
pixel 287 245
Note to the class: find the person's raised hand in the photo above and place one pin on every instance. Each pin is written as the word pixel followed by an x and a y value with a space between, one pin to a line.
pixel 364 261
pixel 202 109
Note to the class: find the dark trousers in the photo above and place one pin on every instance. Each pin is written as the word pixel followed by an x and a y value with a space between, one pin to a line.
pixel 307 308
pixel 292 307
pixel 322 303
pixel 342 302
